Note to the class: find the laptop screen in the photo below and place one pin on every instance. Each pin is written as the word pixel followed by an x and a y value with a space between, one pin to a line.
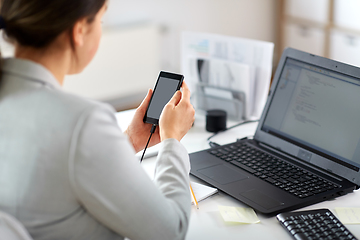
pixel 317 109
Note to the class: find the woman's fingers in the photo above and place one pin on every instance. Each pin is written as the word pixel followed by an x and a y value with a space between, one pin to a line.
pixel 185 91
pixel 178 115
pixel 145 103
pixel 175 99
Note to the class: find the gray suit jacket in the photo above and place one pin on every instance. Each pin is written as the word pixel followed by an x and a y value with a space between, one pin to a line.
pixel 68 172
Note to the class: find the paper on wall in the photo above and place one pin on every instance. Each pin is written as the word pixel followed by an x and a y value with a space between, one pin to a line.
pixel 244 63
pixel 233 75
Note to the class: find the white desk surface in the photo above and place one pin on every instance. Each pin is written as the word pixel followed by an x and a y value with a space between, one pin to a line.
pixel 206 222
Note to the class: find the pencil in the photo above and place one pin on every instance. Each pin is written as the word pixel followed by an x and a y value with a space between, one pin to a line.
pixel 192 193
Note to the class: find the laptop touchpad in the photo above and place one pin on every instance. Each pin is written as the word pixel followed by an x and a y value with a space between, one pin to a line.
pixel 222 174
pixel 261 199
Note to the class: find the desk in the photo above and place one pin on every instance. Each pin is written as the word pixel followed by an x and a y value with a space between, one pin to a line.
pixel 206 222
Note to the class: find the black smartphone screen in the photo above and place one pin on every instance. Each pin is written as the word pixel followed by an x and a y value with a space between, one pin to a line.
pixel 164 90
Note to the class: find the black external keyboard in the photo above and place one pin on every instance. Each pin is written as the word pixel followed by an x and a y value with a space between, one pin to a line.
pixel 286 176
pixel 314 224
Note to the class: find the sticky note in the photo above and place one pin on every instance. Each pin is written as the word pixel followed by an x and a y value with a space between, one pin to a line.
pixel 239 215
pixel 348 215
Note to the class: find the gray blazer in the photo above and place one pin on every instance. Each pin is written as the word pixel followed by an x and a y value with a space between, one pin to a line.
pixel 68 172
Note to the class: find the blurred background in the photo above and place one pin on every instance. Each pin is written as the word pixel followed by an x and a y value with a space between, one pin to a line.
pixel 142 37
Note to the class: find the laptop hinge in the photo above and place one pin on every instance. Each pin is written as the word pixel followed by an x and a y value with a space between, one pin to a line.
pixel 302 162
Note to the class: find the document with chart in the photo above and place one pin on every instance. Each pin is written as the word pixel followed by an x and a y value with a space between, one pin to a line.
pixel 225 67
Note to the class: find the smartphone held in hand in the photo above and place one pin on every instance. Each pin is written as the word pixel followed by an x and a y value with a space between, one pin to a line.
pixel 166 86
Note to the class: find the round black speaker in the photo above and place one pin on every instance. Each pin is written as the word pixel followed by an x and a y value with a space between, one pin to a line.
pixel 215 120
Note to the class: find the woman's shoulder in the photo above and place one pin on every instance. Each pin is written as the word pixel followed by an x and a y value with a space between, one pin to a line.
pixel 28 83
pixel 73 104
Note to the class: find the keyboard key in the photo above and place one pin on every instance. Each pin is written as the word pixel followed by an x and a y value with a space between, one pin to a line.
pixel 270 180
pixel 242 166
pixel 295 231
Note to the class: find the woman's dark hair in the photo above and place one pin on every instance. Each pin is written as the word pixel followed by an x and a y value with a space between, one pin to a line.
pixel 37 23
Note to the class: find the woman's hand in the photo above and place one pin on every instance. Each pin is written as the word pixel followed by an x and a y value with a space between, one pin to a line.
pixel 177 116
pixel 138 131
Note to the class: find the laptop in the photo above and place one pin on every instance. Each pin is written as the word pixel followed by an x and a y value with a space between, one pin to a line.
pixel 306 148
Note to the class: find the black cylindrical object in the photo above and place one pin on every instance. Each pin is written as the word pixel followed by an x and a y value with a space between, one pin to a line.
pixel 215 120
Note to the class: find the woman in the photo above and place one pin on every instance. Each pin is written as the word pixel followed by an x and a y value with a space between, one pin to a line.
pixel 67 170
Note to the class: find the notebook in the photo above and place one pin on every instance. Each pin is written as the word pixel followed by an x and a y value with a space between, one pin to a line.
pixel 306 148
pixel 201 191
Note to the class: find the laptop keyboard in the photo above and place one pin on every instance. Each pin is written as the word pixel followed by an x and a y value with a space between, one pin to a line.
pixel 286 176
pixel 314 224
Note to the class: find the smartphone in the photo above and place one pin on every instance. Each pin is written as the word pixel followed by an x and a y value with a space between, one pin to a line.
pixel 166 86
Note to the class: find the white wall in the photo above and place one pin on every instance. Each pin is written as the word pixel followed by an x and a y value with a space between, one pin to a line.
pixel 125 66
pixel 241 18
